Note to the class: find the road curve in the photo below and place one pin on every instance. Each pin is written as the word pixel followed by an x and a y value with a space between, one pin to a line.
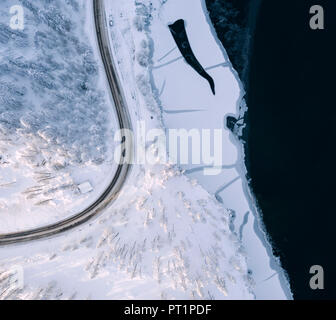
pixel 112 191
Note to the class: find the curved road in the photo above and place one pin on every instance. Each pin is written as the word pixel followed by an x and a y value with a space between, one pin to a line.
pixel 123 170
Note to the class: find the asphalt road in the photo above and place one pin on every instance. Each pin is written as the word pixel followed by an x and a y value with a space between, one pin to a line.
pixel 112 191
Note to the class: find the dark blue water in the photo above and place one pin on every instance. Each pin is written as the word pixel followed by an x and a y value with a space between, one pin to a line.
pixel 289 73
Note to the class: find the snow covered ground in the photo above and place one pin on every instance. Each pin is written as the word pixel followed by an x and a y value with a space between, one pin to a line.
pixel 186 101
pixel 168 235
pixel 164 237
pixel 56 118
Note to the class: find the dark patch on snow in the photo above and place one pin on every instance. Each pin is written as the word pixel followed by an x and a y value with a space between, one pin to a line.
pixel 180 36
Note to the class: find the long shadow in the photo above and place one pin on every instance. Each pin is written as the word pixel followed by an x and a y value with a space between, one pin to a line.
pixel 180 36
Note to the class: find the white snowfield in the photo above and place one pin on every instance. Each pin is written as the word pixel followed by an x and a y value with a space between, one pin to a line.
pixel 167 236
pixel 56 119
pixel 187 102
